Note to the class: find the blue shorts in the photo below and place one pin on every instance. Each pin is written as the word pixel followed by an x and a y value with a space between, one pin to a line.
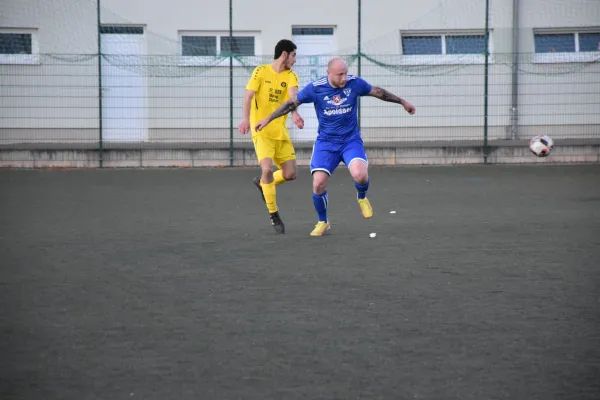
pixel 326 156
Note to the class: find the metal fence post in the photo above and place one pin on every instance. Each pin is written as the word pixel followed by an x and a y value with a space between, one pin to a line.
pixel 359 53
pixel 100 116
pixel 485 89
pixel 514 126
pixel 231 83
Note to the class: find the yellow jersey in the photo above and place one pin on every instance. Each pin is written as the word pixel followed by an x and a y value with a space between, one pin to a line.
pixel 270 91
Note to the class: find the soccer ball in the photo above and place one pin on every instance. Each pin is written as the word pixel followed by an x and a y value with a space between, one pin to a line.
pixel 541 146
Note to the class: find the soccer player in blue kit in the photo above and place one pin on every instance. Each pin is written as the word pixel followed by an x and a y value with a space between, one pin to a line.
pixel 338 138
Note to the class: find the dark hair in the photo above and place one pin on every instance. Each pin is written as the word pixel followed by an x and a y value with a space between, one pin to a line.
pixel 284 45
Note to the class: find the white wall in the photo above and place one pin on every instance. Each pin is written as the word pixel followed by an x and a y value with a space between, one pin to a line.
pixel 381 20
pixel 562 99
pixel 559 13
pixel 65 26
pixel 57 97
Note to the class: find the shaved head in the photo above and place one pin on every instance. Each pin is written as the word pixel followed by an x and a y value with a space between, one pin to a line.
pixel 336 63
pixel 337 72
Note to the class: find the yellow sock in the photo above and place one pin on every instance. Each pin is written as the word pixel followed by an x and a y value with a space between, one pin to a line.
pixel 269 192
pixel 278 177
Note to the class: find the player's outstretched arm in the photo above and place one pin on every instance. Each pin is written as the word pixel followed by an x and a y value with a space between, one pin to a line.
pixel 384 95
pixel 283 109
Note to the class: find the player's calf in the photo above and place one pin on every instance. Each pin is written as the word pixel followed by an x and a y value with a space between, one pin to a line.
pixel 361 188
pixel 256 182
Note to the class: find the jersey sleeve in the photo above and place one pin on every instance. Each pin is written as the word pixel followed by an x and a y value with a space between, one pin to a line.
pixel 307 94
pixel 256 79
pixel 293 80
pixel 364 87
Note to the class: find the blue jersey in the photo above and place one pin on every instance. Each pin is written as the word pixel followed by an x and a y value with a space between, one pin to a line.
pixel 336 107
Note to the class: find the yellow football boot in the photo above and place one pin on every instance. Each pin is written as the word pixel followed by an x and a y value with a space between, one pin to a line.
pixel 320 229
pixel 365 208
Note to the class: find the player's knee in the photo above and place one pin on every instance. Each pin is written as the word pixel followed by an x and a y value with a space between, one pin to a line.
pixel 319 183
pixel 267 174
pixel 359 172
pixel 361 178
pixel 289 175
pixel 319 187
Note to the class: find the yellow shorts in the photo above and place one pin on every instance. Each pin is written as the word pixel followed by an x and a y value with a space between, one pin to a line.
pixel 279 151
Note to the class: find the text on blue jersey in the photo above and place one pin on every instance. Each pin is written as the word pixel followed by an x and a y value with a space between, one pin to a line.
pixel 336 108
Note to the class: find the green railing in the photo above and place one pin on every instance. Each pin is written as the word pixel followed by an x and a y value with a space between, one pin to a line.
pixel 162 103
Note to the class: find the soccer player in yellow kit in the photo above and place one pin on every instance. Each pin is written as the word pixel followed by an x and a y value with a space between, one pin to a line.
pixel 269 86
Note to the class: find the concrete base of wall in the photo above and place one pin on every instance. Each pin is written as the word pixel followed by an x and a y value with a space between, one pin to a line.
pixel 211 155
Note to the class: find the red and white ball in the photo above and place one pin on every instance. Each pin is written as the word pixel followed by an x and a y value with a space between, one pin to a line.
pixel 541 146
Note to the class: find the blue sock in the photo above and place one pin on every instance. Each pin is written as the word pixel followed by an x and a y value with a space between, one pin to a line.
pixel 320 201
pixel 362 188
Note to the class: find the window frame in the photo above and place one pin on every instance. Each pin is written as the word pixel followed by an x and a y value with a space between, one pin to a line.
pixel 209 61
pixel 22 59
pixel 565 56
pixel 444 58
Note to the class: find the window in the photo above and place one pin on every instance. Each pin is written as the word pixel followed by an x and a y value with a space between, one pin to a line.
pixel 589 41
pixel 197 46
pixel 566 46
pixel 418 45
pixel 201 48
pixel 15 43
pixel 465 44
pixel 442 48
pixel 443 44
pixel 312 31
pixel 121 30
pixel 239 45
pixel 554 43
pixel 18 46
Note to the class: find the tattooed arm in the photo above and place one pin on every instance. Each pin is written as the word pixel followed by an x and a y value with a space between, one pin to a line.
pixel 384 95
pixel 296 118
pixel 283 109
